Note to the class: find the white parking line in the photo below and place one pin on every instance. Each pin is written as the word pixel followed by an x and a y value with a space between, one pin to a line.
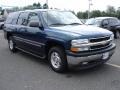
pixel 114 65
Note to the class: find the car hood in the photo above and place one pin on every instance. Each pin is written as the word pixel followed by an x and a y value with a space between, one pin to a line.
pixel 82 30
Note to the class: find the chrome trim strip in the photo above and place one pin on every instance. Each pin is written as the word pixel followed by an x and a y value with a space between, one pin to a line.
pixel 102 47
pixel 94 44
pixel 99 37
pixel 99 43
pixel 28 41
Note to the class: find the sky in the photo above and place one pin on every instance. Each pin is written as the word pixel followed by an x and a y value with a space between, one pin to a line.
pixel 76 5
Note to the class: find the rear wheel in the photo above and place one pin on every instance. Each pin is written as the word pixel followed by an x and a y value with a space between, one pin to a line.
pixel 11 44
pixel 57 58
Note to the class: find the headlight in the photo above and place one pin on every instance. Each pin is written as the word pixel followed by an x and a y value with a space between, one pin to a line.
pixel 77 45
pixel 79 42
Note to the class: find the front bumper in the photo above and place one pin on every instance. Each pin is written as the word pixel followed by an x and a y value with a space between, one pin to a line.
pixel 89 59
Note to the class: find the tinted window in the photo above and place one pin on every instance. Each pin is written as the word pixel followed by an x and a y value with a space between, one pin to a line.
pixel 12 18
pixel 33 17
pixel 93 21
pixel 113 21
pixel 105 22
pixel 22 20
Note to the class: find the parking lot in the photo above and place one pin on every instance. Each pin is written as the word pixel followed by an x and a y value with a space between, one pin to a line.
pixel 20 71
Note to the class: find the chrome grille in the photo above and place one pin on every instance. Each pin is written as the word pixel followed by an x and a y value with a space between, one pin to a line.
pixel 101 45
pixel 99 39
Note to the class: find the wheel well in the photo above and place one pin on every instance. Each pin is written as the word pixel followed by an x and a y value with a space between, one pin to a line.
pixel 2 26
pixel 53 44
pixel 8 35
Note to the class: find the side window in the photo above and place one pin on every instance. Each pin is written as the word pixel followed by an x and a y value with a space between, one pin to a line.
pixel 33 17
pixel 22 20
pixel 113 21
pixel 105 22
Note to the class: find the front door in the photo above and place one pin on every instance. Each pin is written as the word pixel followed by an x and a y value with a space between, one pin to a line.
pixel 35 37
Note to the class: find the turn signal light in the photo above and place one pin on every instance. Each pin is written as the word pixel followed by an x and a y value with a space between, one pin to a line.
pixel 73 49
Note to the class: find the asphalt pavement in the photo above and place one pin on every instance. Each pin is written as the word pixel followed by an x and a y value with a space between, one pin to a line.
pixel 20 71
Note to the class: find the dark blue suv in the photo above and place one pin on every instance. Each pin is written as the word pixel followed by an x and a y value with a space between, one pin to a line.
pixel 59 37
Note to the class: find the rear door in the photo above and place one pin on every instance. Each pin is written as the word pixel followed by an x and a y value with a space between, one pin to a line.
pixel 21 30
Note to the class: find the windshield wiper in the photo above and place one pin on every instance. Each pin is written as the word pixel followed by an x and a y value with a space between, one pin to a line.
pixel 61 24
pixel 74 24
pixel 58 24
pixel 90 24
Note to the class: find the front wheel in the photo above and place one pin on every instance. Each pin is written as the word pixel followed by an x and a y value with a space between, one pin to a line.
pixel 11 44
pixel 57 58
pixel 117 34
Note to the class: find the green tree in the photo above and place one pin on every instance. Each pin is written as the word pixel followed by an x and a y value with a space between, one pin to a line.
pixel 37 5
pixel 111 11
pixel 34 6
pixel 28 7
pixel 96 13
pixel 45 6
pixel 0 8
pixel 82 15
pixel 118 13
pixel 103 14
pixel 2 12
pixel 72 12
pixel 15 9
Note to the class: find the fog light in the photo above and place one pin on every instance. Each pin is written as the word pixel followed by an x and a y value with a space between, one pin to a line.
pixel 105 55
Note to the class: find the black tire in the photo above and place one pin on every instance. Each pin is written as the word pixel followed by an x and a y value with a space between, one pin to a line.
pixel 63 62
pixel 2 26
pixel 117 34
pixel 11 42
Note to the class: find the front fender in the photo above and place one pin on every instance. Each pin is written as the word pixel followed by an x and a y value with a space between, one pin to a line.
pixel 58 41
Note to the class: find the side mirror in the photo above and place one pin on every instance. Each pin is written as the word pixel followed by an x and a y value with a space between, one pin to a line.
pixel 35 24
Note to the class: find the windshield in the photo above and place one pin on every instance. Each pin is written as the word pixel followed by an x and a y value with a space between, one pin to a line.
pixel 90 21
pixel 94 22
pixel 53 18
